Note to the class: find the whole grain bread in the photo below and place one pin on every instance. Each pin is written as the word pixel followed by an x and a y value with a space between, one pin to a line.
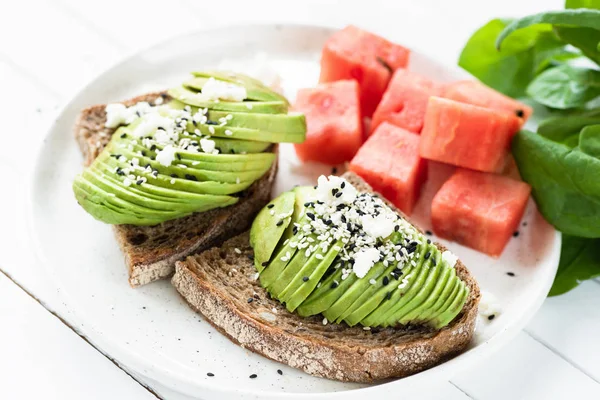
pixel 151 251
pixel 219 282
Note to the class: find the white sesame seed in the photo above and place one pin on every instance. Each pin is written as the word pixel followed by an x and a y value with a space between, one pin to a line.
pixel 238 251
pixel 325 321
pixel 372 281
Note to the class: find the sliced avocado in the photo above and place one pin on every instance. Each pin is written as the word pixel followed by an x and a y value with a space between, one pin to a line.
pixel 458 287
pixel 251 134
pixel 287 124
pixel 253 92
pixel 323 297
pixel 291 270
pixel 372 301
pixel 437 307
pixel 179 184
pixel 337 309
pixel 271 272
pixel 239 146
pixel 269 226
pixel 229 76
pixel 308 277
pixel 398 295
pixel 192 98
pixel 427 306
pixel 454 309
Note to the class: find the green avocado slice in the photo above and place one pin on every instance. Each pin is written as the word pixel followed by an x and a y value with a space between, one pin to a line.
pixel 292 123
pixel 454 309
pixel 297 263
pixel 269 225
pixel 448 302
pixel 239 146
pixel 182 188
pixel 230 76
pixel 336 310
pixel 250 134
pixel 329 292
pixel 437 307
pixel 372 300
pixel 272 271
pixel 300 288
pixel 192 98
pixel 253 91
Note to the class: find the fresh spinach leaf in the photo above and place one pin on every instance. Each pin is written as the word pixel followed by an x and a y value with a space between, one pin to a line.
pixel 595 4
pixel 589 140
pixel 525 53
pixel 585 39
pixel 566 129
pixel 564 183
pixel 565 87
pixel 582 18
pixel 579 261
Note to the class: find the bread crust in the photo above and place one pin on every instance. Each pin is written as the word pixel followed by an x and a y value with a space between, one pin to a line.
pixel 151 251
pixel 218 283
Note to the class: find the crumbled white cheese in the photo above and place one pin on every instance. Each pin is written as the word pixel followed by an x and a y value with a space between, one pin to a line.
pixel 261 68
pixel 364 260
pixel 488 305
pixel 166 156
pixel 150 123
pixel 118 114
pixel 379 226
pixel 328 190
pixel 449 258
pixel 218 90
pixel 207 145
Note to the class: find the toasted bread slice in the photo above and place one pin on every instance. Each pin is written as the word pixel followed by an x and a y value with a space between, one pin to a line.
pixel 219 283
pixel 151 251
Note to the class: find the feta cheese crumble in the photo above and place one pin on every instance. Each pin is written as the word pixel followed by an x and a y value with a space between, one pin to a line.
pixel 166 156
pixel 218 90
pixel 449 258
pixel 207 145
pixel 364 260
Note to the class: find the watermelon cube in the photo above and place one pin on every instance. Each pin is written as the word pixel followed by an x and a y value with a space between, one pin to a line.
pixel 478 94
pixel 479 210
pixel 405 100
pixel 333 122
pixel 465 135
pixel 353 53
pixel 389 161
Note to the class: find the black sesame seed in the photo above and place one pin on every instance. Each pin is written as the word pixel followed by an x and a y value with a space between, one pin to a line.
pixel 174 176
pixel 209 122
pixel 279 223
pixel 343 185
pixel 343 218
pixel 311 216
pixel 388 295
pixel 210 374
pixel 433 262
pixel 516 233
pixel 428 233
pixel 305 279
pixel 191 177
pixel 139 182
pixel 491 317
pixel 520 113
pixel 123 136
pixel 510 273
pixel 396 228
pixel 428 241
pixel 334 191
pixel 153 147
pixel 338 194
pixel 385 281
pixel 307 204
pixel 271 206
pixel 265 263
pixel 120 171
pixel 251 257
pixel 427 255
pixel 250 299
pixel 232 151
pixel 143 154
pixel 334 284
pixel 295 230
pixel 253 376
pixel 178 156
pixel 280 372
pixel 115 155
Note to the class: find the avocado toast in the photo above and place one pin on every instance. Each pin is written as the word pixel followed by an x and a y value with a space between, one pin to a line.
pixel 328 309
pixel 186 171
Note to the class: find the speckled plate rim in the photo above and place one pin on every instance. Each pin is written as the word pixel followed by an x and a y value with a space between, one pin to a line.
pixel 187 384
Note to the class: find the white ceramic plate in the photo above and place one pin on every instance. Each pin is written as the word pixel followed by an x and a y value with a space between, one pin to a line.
pixel 150 330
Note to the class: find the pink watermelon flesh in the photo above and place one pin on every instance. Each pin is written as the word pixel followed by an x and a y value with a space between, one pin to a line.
pixel 465 135
pixel 479 210
pixel 405 101
pixel 333 122
pixel 389 161
pixel 353 53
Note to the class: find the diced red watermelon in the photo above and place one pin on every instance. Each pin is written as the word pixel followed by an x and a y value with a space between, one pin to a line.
pixel 478 94
pixel 333 122
pixel 465 135
pixel 479 210
pixel 405 100
pixel 389 161
pixel 353 53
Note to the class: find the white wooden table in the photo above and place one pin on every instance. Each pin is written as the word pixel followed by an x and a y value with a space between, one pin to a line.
pixel 49 49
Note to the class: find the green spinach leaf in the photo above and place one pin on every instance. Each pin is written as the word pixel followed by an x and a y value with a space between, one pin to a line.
pixel 565 87
pixel 585 39
pixel 582 18
pixel 566 129
pixel 589 140
pixel 595 4
pixel 579 261
pixel 564 183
